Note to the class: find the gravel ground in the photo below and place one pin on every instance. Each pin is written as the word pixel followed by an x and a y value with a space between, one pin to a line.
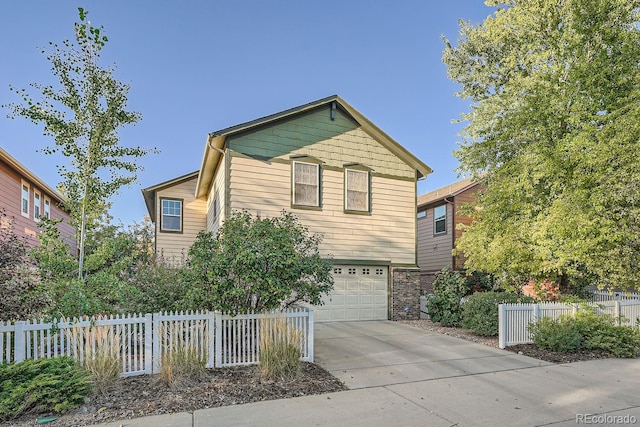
pixel 145 395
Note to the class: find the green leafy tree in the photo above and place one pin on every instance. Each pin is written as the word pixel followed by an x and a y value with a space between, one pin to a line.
pixel 83 116
pixel 256 264
pixel 554 132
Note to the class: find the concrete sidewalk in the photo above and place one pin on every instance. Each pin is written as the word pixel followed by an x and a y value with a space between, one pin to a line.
pixel 398 374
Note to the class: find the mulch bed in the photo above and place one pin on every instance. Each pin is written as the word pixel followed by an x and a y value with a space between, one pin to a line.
pixel 532 350
pixel 145 395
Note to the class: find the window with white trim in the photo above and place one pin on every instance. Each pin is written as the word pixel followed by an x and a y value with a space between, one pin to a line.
pixel 440 219
pixel 47 208
pixel 306 184
pixel 36 205
pixel 356 194
pixel 171 215
pixel 24 205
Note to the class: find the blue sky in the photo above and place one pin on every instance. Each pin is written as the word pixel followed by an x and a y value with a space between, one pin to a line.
pixel 199 66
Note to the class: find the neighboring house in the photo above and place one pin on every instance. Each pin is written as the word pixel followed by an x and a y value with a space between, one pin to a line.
pixel 336 171
pixel 26 198
pixel 438 218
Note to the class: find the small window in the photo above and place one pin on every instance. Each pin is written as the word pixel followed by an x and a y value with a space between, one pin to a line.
pixel 36 206
pixel 379 271
pixel 365 271
pixel 422 214
pixel 47 208
pixel 24 209
pixel 306 184
pixel 337 270
pixel 440 219
pixel 352 271
pixel 171 219
pixel 356 195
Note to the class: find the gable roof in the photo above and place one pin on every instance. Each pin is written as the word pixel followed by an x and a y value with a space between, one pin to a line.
pixel 216 140
pixel 149 193
pixel 450 190
pixel 26 173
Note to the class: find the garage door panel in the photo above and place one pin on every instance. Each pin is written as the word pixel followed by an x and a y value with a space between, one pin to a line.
pixel 366 299
pixel 352 300
pixel 339 285
pixel 380 300
pixel 360 293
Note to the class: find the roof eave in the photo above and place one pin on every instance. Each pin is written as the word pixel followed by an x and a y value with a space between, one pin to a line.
pixel 15 164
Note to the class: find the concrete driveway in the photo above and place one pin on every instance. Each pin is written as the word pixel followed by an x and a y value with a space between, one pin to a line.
pixel 370 354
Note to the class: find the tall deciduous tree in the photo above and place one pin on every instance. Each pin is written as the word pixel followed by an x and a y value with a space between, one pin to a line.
pixel 554 126
pixel 83 116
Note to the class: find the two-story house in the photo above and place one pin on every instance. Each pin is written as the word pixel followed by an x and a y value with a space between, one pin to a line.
pixel 26 199
pixel 438 219
pixel 341 175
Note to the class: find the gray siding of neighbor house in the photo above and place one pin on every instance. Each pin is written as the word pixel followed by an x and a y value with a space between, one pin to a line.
pixel 434 251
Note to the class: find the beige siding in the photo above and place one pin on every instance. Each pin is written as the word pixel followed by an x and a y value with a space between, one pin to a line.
pixel 214 219
pixel 434 252
pixel 387 234
pixel 175 246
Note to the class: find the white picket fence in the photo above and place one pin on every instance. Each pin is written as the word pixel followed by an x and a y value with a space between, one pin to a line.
pixel 514 319
pixel 141 341
pixel 600 296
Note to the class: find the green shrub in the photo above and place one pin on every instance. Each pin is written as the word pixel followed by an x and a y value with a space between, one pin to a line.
pixel 620 341
pixel 42 385
pixel 557 335
pixel 589 330
pixel 255 264
pixel 480 310
pixel 155 286
pixel 444 306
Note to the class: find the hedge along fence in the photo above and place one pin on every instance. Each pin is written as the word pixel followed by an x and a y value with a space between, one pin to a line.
pixel 514 319
pixel 220 339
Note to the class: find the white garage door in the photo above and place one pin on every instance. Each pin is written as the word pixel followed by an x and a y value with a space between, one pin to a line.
pixel 359 293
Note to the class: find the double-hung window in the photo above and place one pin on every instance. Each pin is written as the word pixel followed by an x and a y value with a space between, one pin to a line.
pixel 440 219
pixel 47 208
pixel 24 205
pixel 36 206
pixel 305 184
pixel 356 190
pixel 171 215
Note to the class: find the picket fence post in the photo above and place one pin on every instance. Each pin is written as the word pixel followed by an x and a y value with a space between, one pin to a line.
pixel 502 330
pixel 19 341
pixel 155 331
pixel 211 337
pixel 218 346
pixel 148 343
pixel 310 335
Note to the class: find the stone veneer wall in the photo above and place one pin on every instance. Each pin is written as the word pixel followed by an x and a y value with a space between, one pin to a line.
pixel 405 293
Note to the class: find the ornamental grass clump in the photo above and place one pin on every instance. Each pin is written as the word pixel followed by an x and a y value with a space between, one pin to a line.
pixel 280 351
pixel 98 350
pixel 181 360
